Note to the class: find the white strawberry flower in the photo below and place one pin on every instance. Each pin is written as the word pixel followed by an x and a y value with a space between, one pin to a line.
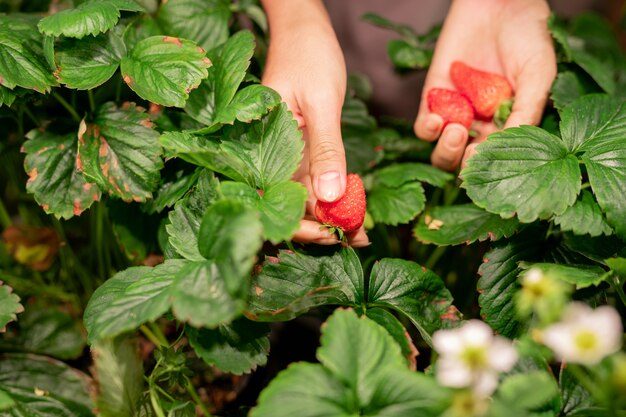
pixel 585 335
pixel 471 356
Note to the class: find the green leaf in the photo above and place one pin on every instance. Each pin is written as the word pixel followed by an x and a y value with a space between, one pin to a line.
pixel 406 31
pixel 529 391
pixel 21 60
pixel 393 326
pixel 220 238
pixel 87 63
pixel 525 171
pixel 10 306
pixel 406 56
pixel 6 96
pixel 187 215
pixel 261 154
pixel 618 266
pixel 567 87
pixel 396 197
pixel 465 223
pixel 576 399
pixel 172 190
pixel 395 205
pixel 595 125
pixel 48 331
pixel 414 291
pixel 119 151
pixel 400 173
pixel 280 206
pixel 591 121
pixel 306 390
pixel 362 372
pixel 582 276
pixel 202 296
pixel 498 282
pixel 217 101
pixel 584 217
pixel 54 179
pixel 89 18
pixel 129 299
pixel 355 350
pixel 119 375
pixel 267 151
pixel 236 348
pixel 42 386
pixel 203 21
pixel 291 284
pixel 163 69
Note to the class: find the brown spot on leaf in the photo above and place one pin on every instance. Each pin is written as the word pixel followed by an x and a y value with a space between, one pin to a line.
pixel 260 192
pixel 32 175
pixel 45 207
pixel 103 150
pixel 105 169
pixel 207 61
pixel 57 73
pixel 491 235
pixel 126 105
pixel 272 259
pixel 61 147
pixel 77 207
pixel 96 197
pixel 379 148
pixel 79 163
pixel 126 187
pixel 451 314
pixel 155 109
pixel 258 290
pixel 435 224
pixel 22 149
pixel 413 352
pixel 147 123
pixel 128 80
pixel 171 39
pixel 87 186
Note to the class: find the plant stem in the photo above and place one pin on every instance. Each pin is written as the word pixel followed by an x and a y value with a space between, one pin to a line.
pixel 155 403
pixel 158 333
pixel 434 256
pixel 100 248
pixel 92 102
pixel 5 219
pixel 617 287
pixel 67 106
pixel 72 262
pixel 31 116
pixel 151 336
pixel 196 398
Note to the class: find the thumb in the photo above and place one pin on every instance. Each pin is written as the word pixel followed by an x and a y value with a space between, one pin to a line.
pixel 327 160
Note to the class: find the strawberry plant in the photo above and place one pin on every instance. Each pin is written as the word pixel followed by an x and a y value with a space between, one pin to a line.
pixel 148 205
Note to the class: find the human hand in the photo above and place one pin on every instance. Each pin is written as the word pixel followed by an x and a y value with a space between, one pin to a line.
pixel 508 37
pixel 305 66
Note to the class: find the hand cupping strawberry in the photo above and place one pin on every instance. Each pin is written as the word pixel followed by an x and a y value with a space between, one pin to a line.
pixel 490 96
pixel 348 212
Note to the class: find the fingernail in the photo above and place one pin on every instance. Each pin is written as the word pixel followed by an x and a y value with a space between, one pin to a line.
pixel 329 186
pixel 433 124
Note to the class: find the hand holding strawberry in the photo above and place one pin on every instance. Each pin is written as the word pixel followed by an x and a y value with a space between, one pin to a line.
pixel 348 212
pixel 509 38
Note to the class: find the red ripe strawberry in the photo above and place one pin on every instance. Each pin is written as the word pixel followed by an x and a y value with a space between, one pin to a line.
pixel 348 212
pixel 451 106
pixel 485 90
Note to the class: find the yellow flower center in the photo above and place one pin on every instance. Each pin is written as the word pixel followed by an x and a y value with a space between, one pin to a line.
pixel 586 340
pixel 475 357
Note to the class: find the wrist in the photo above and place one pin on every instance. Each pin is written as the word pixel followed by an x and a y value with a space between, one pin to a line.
pixel 287 16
